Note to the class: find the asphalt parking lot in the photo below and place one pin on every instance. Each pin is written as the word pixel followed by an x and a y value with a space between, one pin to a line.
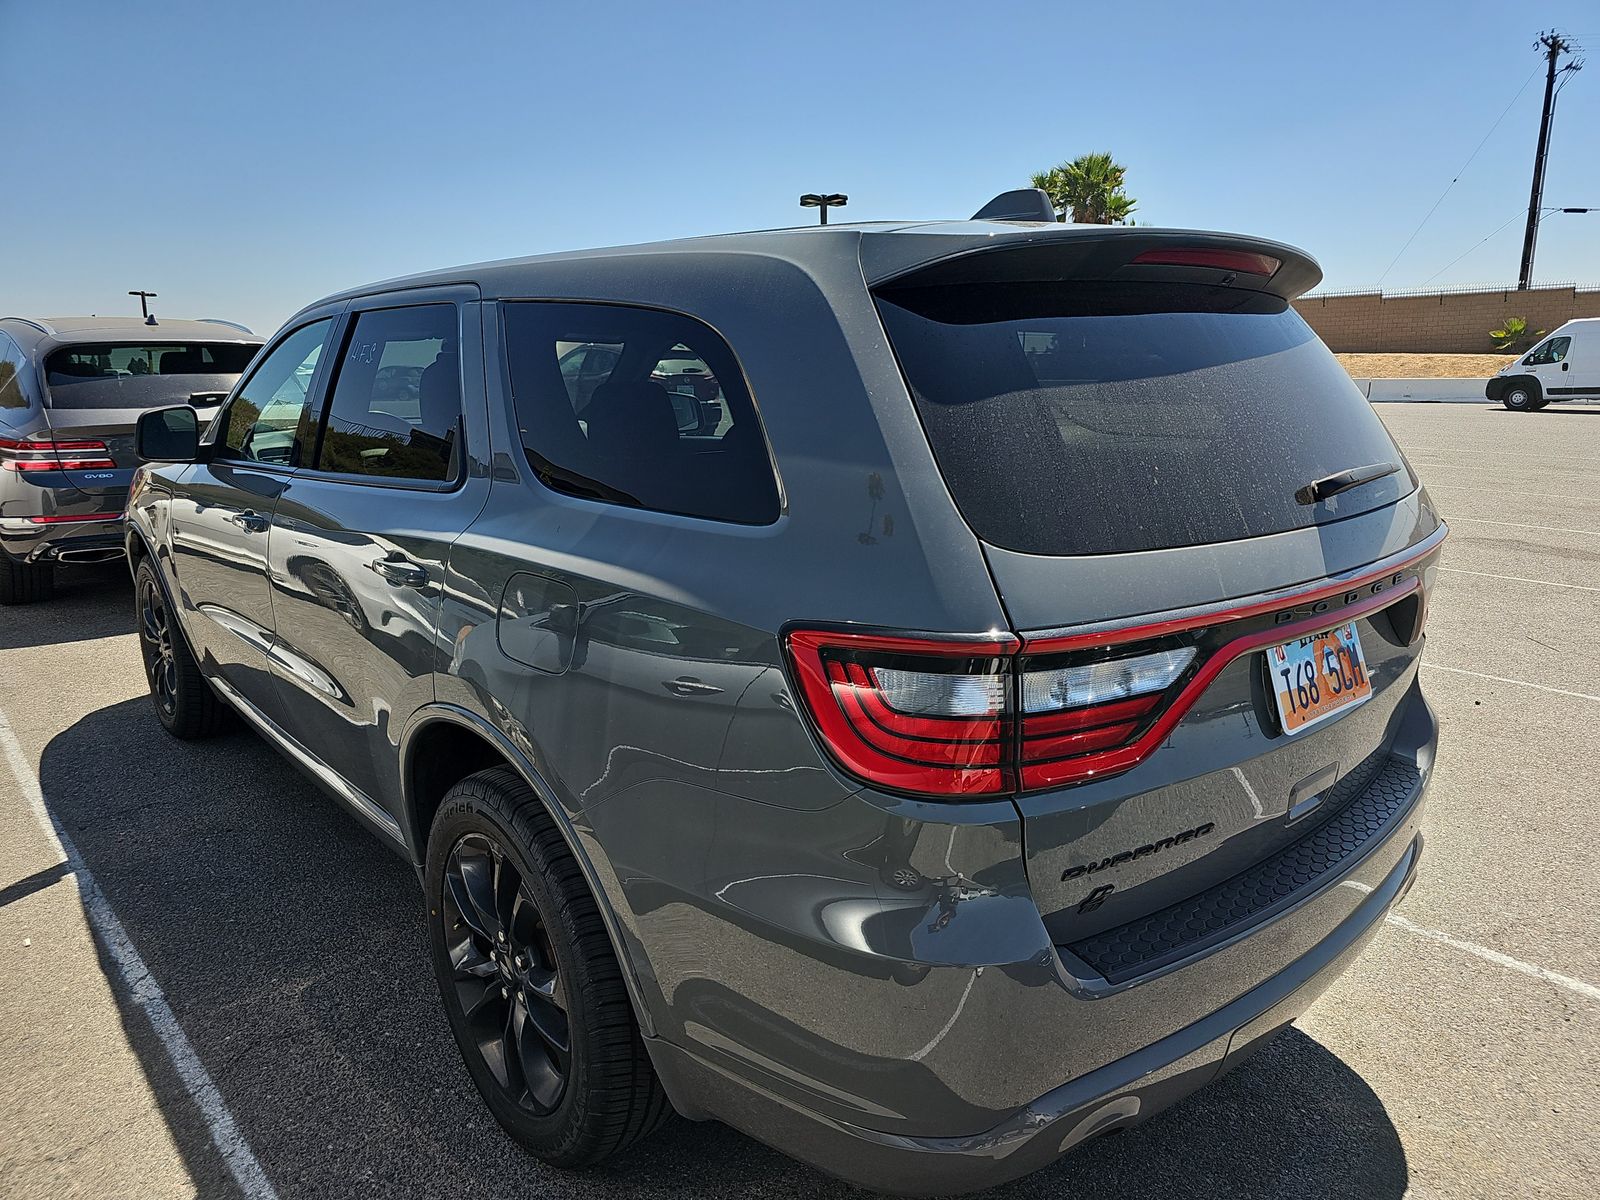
pixel 255 1004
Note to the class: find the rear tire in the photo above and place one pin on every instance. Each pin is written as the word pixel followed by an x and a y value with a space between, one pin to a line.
pixel 528 979
pixel 185 704
pixel 25 583
pixel 1524 395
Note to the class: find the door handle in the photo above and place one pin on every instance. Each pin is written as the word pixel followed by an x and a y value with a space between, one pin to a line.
pixel 402 572
pixel 687 685
pixel 250 521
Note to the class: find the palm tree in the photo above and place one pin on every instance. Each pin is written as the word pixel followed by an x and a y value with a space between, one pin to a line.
pixel 1088 190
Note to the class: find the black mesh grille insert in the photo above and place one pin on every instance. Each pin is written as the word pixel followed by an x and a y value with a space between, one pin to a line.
pixel 1363 804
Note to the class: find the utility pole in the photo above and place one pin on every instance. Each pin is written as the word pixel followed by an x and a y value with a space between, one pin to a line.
pixel 1554 46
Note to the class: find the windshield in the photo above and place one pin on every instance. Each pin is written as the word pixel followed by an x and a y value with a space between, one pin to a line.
pixel 1089 418
pixel 125 375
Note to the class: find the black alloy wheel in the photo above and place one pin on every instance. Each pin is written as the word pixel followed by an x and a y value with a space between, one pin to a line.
pixel 155 643
pixel 185 703
pixel 507 980
pixel 531 985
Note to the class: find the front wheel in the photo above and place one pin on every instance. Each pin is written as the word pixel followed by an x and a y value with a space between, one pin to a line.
pixel 185 703
pixel 1523 395
pixel 529 982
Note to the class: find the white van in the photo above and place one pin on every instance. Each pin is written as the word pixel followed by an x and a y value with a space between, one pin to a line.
pixel 1565 366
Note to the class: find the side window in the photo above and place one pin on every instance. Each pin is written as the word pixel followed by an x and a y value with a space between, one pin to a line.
pixel 660 420
pixel 396 403
pixel 12 363
pixel 1552 351
pixel 267 420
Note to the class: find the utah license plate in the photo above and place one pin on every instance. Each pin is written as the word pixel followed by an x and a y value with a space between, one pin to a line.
pixel 1318 676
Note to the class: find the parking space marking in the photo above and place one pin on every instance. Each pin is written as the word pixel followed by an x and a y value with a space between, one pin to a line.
pixel 141 985
pixel 1577 986
pixel 1478 489
pixel 1455 520
pixel 1587 990
pixel 1543 687
pixel 1576 587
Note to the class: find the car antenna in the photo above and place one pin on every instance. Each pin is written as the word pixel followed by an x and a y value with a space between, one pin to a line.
pixel 144 305
pixel 1023 204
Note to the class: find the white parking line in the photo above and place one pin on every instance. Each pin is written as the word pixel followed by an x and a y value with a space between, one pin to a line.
pixel 1587 990
pixel 1455 520
pixel 141 984
pixel 1576 587
pixel 1428 666
pixel 1499 492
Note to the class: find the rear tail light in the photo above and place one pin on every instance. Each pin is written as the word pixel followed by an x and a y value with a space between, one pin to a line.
pixel 53 454
pixel 962 718
pixel 991 715
pixel 928 717
pixel 1080 707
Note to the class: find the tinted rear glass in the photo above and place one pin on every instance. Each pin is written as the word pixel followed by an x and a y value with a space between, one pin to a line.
pixel 637 407
pixel 126 375
pixel 1081 418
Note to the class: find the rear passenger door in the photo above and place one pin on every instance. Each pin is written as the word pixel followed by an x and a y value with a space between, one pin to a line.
pixel 571 603
pixel 360 536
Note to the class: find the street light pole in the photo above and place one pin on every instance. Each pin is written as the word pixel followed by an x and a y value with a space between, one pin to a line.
pixel 824 201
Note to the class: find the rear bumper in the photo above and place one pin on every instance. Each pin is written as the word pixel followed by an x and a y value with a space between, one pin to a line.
pixel 1120 1094
pixel 67 542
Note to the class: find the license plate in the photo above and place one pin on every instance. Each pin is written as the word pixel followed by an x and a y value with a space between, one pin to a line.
pixel 1318 676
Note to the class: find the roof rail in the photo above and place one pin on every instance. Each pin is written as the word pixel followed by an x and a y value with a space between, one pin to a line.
pixel 1023 204
pixel 229 324
pixel 43 327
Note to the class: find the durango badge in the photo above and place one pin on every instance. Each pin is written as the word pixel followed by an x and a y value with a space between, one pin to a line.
pixel 1145 851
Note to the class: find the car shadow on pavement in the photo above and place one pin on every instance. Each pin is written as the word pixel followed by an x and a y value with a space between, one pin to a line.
pixel 89 602
pixel 289 944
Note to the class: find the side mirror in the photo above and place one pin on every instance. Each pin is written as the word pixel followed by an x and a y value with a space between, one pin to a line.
pixel 168 435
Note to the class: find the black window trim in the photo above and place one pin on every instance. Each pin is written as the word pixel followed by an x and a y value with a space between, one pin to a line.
pixel 211 435
pixel 502 349
pixel 324 402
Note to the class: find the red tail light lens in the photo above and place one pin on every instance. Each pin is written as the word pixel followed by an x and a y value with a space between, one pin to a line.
pixel 1199 256
pixel 954 717
pixel 1090 702
pixel 928 717
pixel 51 454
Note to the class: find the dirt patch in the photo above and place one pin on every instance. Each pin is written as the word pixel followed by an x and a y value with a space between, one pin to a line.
pixel 1424 366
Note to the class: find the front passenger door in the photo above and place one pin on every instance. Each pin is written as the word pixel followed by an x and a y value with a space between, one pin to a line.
pixel 222 509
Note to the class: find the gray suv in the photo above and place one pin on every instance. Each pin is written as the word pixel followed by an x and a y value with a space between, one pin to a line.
pixel 990 727
pixel 70 391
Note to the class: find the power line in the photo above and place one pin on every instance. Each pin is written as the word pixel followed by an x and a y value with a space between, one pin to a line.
pixel 1459 174
pixel 1469 250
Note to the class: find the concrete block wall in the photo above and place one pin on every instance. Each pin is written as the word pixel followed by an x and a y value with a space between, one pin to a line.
pixel 1438 323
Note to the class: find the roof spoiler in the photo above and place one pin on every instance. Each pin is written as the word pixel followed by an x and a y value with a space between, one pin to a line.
pixel 229 324
pixel 1023 204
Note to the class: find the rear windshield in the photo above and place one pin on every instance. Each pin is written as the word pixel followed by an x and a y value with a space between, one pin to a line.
pixel 124 375
pixel 1087 418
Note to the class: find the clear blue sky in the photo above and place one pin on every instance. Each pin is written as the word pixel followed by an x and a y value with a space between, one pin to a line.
pixel 245 159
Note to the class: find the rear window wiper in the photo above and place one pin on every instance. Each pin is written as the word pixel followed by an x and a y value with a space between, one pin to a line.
pixel 1343 481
